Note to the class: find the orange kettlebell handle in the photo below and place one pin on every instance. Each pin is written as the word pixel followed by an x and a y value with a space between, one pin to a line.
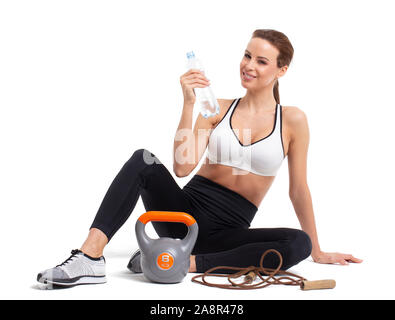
pixel 167 216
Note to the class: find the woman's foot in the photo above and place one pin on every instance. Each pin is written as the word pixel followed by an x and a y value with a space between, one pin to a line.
pixel 78 269
pixel 192 264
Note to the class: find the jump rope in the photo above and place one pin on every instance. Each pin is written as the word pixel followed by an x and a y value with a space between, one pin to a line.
pixel 270 276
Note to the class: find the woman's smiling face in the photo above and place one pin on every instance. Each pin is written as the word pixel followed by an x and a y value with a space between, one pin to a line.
pixel 258 68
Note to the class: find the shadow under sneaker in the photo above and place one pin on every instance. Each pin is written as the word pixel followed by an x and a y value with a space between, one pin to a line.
pixel 134 264
pixel 78 269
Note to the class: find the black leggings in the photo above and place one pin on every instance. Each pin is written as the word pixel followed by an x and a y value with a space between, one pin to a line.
pixel 223 216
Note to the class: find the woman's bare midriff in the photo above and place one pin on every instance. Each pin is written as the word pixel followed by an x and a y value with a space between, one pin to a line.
pixel 251 186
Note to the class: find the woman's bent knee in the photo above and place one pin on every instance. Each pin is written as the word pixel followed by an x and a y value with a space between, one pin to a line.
pixel 144 156
pixel 303 245
pixel 300 247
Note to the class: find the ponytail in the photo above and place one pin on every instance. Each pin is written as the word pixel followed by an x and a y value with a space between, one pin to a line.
pixel 276 92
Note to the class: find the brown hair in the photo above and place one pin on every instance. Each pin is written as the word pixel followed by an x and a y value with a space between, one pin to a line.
pixel 283 45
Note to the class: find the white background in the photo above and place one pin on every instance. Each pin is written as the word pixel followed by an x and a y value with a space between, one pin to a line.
pixel 83 84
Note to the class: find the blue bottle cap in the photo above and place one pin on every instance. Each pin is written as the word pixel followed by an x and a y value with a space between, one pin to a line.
pixel 190 55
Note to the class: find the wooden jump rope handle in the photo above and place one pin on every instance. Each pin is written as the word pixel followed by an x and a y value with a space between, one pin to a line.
pixel 304 285
pixel 318 284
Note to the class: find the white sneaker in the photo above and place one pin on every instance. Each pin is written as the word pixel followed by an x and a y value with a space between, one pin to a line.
pixel 78 269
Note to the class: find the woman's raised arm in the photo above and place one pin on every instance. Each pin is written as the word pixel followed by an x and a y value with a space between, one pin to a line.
pixel 189 145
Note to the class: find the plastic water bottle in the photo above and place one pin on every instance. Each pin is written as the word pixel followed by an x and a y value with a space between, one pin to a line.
pixel 204 96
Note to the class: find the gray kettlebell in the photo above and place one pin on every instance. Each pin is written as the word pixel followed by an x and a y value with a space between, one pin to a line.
pixel 166 260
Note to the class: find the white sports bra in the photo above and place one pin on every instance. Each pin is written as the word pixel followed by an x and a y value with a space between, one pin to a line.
pixel 262 157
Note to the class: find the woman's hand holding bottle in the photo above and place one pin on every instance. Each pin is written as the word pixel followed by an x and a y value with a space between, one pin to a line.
pixel 193 78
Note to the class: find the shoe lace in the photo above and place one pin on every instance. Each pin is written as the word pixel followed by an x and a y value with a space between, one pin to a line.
pixel 69 259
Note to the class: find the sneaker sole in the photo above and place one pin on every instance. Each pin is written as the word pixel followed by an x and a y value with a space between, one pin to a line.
pixel 76 282
pixel 130 266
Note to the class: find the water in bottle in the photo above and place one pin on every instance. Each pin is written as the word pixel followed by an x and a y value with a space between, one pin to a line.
pixel 204 96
